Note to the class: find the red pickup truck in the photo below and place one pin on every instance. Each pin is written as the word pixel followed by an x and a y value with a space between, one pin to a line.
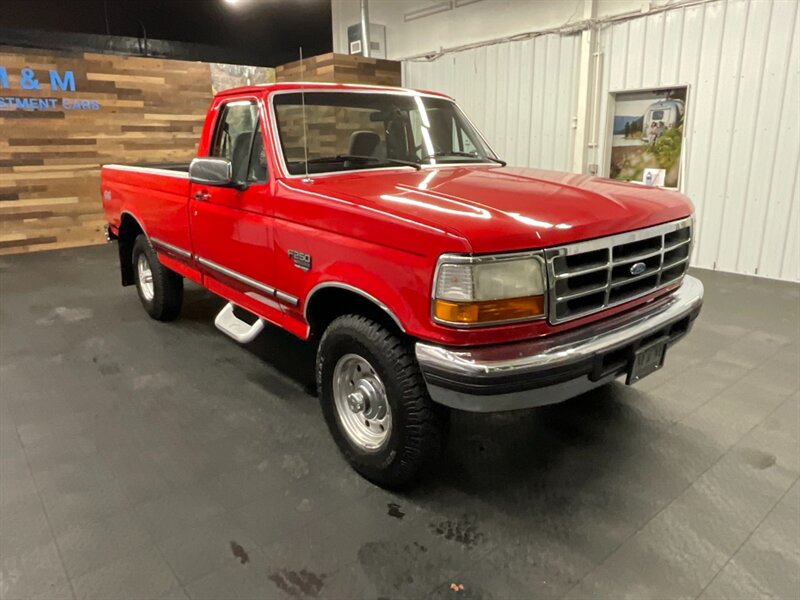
pixel 379 224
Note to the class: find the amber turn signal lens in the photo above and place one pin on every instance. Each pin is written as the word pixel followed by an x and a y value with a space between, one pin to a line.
pixel 488 311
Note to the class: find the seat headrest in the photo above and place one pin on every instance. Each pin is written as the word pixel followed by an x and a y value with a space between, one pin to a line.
pixel 240 156
pixel 364 143
pixel 441 130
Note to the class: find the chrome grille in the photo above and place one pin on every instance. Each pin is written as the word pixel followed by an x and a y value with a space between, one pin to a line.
pixel 590 276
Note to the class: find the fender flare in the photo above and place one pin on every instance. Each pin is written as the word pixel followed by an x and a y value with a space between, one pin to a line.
pixel 125 246
pixel 124 213
pixel 355 290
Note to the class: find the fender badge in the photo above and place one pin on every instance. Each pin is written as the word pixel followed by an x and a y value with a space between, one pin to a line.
pixel 301 261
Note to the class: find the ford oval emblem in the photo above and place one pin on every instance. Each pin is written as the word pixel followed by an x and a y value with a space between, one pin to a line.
pixel 638 268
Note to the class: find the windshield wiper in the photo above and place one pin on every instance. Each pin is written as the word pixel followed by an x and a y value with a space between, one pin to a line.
pixel 345 157
pixel 468 154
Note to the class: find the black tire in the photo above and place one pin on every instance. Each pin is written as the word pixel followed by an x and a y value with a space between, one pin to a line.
pixel 167 296
pixel 419 426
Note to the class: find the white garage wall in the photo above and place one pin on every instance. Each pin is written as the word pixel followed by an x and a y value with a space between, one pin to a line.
pixel 521 95
pixel 457 22
pixel 741 59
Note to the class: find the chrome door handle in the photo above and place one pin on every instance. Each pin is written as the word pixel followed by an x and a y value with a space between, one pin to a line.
pixel 202 196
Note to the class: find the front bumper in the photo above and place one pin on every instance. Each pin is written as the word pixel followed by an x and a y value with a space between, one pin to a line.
pixel 552 369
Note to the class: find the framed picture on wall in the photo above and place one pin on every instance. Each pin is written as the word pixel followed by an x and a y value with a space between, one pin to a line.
pixel 225 76
pixel 647 136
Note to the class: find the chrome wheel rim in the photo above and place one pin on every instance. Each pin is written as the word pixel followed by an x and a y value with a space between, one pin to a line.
pixel 361 404
pixel 145 277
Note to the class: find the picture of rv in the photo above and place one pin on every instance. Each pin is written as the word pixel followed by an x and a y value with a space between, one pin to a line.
pixel 662 115
pixel 646 131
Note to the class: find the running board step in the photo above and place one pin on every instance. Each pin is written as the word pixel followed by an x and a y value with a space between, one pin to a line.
pixel 231 325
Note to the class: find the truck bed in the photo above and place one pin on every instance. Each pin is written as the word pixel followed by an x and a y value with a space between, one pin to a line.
pixel 156 193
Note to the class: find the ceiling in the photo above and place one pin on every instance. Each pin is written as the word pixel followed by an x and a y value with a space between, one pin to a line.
pixel 269 31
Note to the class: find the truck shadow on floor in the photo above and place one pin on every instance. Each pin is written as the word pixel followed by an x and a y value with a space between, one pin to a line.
pixel 601 456
pixel 279 349
pixel 490 451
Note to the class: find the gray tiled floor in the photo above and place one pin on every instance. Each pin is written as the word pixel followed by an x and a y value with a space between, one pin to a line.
pixel 143 460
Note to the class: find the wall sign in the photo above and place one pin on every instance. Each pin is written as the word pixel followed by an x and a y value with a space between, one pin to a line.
pixel 647 136
pixel 28 80
pixel 150 110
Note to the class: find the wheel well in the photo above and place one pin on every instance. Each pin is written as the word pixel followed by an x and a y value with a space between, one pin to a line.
pixel 330 303
pixel 129 230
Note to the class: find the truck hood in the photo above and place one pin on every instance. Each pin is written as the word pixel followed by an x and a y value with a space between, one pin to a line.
pixel 499 208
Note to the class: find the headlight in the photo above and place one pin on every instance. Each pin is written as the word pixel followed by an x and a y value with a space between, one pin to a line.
pixel 488 290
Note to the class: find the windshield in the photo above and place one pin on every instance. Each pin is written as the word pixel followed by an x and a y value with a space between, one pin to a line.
pixel 360 130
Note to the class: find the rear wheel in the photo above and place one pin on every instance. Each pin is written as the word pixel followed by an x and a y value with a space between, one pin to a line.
pixel 160 290
pixel 375 401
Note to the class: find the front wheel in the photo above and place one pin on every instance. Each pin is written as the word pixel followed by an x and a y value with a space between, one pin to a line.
pixel 160 290
pixel 375 401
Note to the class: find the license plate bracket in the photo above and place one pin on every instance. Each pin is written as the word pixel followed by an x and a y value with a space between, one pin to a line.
pixel 647 360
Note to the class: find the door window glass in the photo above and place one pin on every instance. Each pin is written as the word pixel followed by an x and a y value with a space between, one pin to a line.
pixel 234 136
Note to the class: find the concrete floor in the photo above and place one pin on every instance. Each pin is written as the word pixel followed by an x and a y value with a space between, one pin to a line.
pixel 144 460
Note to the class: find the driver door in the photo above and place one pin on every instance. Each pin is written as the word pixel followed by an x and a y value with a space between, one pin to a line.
pixel 232 226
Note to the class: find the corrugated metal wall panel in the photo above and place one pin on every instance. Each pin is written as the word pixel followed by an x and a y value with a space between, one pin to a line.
pixel 783 194
pixel 741 61
pixel 790 266
pixel 521 95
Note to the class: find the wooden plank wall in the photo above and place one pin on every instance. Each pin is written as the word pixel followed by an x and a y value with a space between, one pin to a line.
pixel 342 68
pixel 151 110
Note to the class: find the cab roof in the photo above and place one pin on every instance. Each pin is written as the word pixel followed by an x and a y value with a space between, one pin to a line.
pixel 267 88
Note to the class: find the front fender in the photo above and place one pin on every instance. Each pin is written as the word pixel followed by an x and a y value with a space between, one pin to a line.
pixel 403 295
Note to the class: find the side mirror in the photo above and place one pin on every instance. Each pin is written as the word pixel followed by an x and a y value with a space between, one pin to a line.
pixel 211 171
